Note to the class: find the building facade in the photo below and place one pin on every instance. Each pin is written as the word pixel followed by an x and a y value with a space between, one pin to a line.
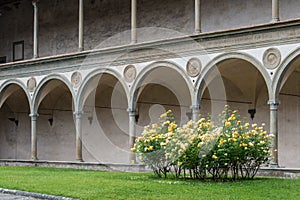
pixel 79 79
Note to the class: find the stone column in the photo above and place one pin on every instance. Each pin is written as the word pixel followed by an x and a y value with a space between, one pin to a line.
pixel 197 17
pixel 80 28
pixel 33 117
pixel 133 21
pixel 274 128
pixel 78 126
pixel 132 114
pixel 275 10
pixel 35 29
pixel 195 112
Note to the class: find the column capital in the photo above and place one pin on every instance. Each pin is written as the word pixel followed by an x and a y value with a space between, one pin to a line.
pixel 34 2
pixel 131 111
pixel 33 115
pixel 78 113
pixel 195 107
pixel 274 103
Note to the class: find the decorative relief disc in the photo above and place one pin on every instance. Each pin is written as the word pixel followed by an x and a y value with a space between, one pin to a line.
pixel 76 79
pixel 193 67
pixel 31 84
pixel 129 73
pixel 272 58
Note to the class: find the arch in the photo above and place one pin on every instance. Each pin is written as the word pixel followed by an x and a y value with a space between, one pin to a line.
pixel 208 69
pixel 89 77
pixel 43 83
pixel 282 70
pixel 143 74
pixel 18 83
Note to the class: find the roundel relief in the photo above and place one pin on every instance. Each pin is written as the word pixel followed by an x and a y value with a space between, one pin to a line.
pixel 193 67
pixel 129 73
pixel 272 58
pixel 76 79
pixel 31 84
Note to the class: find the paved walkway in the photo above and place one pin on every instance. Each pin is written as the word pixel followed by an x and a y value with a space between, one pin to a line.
pixel 15 197
pixel 7 194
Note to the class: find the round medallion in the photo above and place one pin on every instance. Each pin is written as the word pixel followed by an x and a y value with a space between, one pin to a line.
pixel 31 84
pixel 193 67
pixel 76 79
pixel 129 73
pixel 272 58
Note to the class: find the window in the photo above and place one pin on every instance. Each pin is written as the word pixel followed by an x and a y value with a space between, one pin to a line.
pixel 18 51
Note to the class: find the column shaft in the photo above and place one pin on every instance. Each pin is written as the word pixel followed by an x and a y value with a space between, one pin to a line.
pixel 133 21
pixel 78 124
pixel 35 30
pixel 80 28
pixel 195 112
pixel 33 136
pixel 197 17
pixel 275 10
pixel 274 127
pixel 132 134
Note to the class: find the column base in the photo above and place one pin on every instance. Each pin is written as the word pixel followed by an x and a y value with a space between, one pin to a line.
pixel 34 158
pixel 132 158
pixel 274 20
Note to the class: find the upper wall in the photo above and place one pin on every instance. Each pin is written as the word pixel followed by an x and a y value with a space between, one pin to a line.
pixel 103 19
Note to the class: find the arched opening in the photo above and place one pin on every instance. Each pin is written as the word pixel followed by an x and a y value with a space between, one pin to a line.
pixel 239 84
pixel 162 89
pixel 289 116
pixel 105 120
pixel 15 142
pixel 55 123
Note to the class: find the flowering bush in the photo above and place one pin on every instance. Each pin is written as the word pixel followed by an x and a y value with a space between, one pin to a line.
pixel 201 148
pixel 151 146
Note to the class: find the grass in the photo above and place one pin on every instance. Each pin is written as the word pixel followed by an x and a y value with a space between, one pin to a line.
pixel 85 184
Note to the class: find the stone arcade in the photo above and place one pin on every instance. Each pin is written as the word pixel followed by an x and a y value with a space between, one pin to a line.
pixel 80 78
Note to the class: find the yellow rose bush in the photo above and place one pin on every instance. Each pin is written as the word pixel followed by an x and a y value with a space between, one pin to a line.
pixel 150 147
pixel 232 149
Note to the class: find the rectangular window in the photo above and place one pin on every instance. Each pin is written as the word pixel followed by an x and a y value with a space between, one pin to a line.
pixel 18 51
pixel 2 59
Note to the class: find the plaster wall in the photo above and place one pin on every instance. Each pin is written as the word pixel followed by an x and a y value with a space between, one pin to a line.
pixel 58 21
pixel 15 140
pixel 289 122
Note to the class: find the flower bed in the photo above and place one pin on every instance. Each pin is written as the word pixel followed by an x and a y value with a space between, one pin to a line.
pixel 231 149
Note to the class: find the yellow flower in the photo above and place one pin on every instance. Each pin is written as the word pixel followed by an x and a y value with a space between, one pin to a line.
pixel 140 139
pixel 231 118
pixel 154 126
pixel 150 148
pixel 163 115
pixel 235 134
pixel 179 164
pixel 227 124
pixel 222 141
pixel 133 149
pixel 214 156
pixel 169 111
pixel 251 144
pixel 202 120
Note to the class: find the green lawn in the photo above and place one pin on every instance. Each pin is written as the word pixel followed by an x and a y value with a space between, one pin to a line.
pixel 116 185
